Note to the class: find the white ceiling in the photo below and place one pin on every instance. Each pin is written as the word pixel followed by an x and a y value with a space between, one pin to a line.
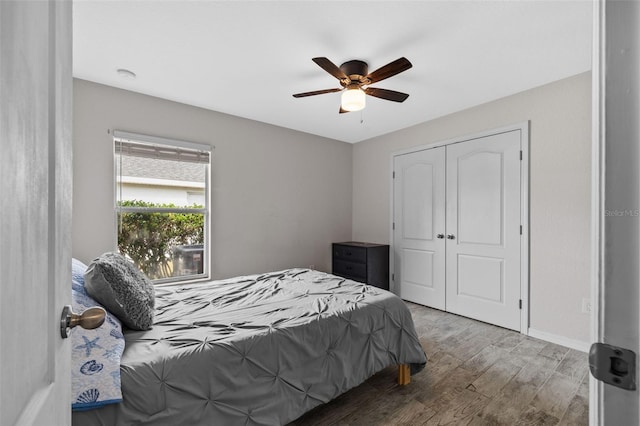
pixel 247 58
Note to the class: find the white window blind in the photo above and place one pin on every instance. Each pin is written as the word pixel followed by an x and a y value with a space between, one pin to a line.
pixel 137 145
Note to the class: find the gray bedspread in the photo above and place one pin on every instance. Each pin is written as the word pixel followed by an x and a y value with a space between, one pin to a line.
pixel 260 349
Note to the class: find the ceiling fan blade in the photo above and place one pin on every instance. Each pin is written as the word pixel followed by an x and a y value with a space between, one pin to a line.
pixel 316 92
pixel 389 95
pixel 330 67
pixel 389 70
pixel 342 111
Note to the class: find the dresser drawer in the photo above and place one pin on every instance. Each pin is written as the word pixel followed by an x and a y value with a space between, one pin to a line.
pixel 353 270
pixel 349 253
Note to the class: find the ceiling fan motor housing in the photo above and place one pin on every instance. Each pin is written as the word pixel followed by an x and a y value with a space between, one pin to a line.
pixel 356 71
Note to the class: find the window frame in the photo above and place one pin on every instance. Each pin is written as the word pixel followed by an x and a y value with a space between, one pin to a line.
pixel 156 141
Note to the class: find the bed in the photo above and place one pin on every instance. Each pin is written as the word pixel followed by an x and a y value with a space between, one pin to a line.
pixel 257 350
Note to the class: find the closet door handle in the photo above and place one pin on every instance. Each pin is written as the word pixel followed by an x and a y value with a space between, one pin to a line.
pixel 440 236
pixel 451 237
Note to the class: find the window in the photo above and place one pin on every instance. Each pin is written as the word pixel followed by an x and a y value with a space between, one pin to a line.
pixel 162 205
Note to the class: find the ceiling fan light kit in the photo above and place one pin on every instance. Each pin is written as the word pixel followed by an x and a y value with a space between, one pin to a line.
pixel 355 80
pixel 353 99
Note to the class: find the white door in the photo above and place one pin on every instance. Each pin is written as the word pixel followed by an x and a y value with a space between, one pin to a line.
pixel 419 227
pixel 35 189
pixel 483 229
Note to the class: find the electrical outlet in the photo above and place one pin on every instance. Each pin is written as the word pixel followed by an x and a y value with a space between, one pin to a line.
pixel 586 306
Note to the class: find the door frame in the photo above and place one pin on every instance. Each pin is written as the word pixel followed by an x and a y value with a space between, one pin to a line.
pixel 596 394
pixel 523 127
pixel 614 103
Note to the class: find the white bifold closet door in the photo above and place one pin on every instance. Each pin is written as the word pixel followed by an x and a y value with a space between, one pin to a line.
pixel 457 228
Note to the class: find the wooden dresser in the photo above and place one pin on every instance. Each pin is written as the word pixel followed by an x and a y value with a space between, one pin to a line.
pixel 363 262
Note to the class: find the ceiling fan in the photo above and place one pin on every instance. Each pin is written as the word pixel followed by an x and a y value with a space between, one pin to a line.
pixel 355 80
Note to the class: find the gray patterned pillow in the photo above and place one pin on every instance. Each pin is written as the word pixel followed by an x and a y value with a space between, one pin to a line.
pixel 126 292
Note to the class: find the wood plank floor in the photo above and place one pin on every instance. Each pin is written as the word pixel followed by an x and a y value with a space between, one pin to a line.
pixel 477 374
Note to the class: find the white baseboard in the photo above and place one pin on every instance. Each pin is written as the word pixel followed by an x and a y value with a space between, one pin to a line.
pixel 578 345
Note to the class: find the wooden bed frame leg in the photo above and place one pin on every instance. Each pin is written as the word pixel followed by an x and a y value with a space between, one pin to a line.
pixel 404 374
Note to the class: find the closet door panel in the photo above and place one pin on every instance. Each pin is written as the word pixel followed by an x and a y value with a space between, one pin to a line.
pixel 417 201
pixel 419 218
pixel 481 277
pixel 480 198
pixel 483 223
pixel 417 268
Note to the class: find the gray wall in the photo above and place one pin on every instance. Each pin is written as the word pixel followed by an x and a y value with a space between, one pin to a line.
pixel 278 197
pixel 560 155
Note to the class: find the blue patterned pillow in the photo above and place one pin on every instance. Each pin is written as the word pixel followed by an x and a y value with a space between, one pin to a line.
pixel 95 354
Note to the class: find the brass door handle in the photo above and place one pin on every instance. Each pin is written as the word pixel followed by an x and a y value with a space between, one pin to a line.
pixel 89 319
